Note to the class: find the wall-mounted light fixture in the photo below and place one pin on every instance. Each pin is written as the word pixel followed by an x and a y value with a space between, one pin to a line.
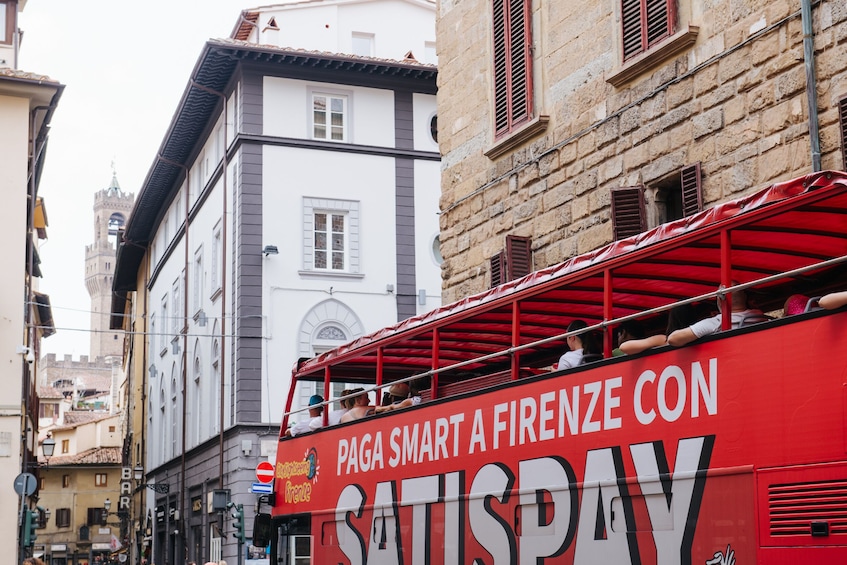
pixel 48 446
pixel 138 476
pixel 270 250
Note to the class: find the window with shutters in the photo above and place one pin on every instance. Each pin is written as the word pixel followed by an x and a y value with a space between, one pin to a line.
pixel 514 262
pixel 842 122
pixel 651 32
pixel 645 23
pixel 512 64
pixel 8 14
pixel 518 256
pixel 63 517
pixel 637 209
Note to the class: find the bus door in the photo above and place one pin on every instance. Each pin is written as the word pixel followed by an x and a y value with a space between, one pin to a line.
pixel 295 543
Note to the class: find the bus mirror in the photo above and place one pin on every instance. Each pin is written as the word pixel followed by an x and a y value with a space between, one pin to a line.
pixel 262 530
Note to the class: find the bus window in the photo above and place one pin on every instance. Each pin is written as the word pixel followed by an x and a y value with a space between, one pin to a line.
pixel 301 550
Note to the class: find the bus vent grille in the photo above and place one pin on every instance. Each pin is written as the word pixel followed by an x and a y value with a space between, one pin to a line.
pixel 794 507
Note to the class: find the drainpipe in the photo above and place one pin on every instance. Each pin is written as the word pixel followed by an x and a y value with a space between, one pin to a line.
pixel 811 84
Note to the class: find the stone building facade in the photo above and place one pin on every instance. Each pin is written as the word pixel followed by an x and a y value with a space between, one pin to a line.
pixel 538 147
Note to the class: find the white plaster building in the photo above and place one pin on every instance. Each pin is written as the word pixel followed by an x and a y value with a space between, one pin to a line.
pixel 27 104
pixel 292 207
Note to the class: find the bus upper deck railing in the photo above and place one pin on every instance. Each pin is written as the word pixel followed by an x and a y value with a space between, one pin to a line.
pixel 605 325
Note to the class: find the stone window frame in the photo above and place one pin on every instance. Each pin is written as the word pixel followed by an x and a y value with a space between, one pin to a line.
pixel 529 123
pixel 683 35
pixel 351 209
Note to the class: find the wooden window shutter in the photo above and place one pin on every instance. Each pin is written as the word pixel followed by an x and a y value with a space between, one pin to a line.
pixel 628 217
pixel 512 64
pixel 645 23
pixel 842 123
pixel 692 191
pixel 518 256
pixel 498 269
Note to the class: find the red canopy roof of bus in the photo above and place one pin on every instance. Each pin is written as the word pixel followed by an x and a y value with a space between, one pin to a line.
pixel 783 227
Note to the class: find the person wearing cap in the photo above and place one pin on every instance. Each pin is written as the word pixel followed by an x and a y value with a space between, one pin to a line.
pixel 739 312
pixel 400 395
pixel 315 420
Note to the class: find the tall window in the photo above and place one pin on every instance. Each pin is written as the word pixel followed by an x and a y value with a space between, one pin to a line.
pixel 176 323
pixel 329 117
pixel 645 23
pixel 331 235
pixel 197 279
pixel 163 342
pixel 512 64
pixel 329 241
pixel 63 517
pixel 216 260
pixel 7 21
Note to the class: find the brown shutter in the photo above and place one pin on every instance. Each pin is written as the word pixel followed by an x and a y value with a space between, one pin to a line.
pixel 842 122
pixel 518 256
pixel 628 217
pixel 692 191
pixel 645 23
pixel 512 63
pixel 501 89
pixel 631 22
pixel 498 269
pixel 519 43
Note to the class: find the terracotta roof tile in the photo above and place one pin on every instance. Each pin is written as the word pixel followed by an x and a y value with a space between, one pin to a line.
pixel 94 456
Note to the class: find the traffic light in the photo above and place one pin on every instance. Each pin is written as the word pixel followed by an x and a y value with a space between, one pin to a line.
pixel 238 521
pixel 31 519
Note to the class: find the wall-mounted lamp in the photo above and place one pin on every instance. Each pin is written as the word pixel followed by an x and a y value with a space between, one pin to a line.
pixel 175 345
pixel 153 372
pixel 270 250
pixel 138 476
pixel 48 446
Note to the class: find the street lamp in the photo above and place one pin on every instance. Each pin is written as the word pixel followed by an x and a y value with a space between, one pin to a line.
pixel 138 475
pixel 47 447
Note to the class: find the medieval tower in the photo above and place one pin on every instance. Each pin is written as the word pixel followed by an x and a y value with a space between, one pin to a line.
pixel 111 211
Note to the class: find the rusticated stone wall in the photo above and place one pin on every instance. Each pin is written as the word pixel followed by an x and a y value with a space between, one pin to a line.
pixel 735 101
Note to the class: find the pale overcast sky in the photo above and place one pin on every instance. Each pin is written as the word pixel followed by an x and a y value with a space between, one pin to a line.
pixel 124 66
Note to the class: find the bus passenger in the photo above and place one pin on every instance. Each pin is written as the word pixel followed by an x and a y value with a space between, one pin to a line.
pixel 315 420
pixel 361 407
pixel 334 417
pixel 833 300
pixel 579 346
pixel 679 317
pixel 740 311
pixel 402 396
pixel 795 304
pixel 631 330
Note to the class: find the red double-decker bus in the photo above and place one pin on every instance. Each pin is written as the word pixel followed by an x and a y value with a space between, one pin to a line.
pixel 730 450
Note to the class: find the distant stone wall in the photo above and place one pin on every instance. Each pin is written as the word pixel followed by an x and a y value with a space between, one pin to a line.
pixel 735 101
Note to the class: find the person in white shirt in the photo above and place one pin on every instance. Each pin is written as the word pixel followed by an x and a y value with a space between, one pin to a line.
pixel 315 420
pixel 334 417
pixel 740 312
pixel 578 345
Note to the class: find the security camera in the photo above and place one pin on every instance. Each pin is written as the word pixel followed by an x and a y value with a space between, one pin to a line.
pixel 30 357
